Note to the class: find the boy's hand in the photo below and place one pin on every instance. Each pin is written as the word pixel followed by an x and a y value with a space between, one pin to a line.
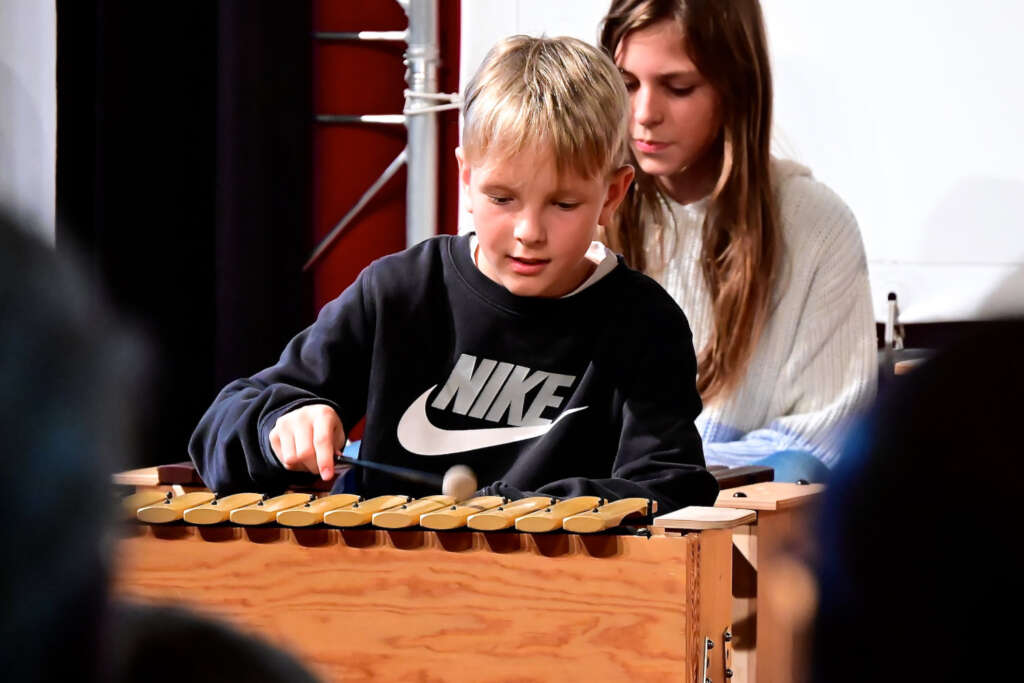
pixel 307 438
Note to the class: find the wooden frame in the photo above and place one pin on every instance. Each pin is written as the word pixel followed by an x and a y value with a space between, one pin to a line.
pixel 469 605
pixel 423 605
pixel 768 646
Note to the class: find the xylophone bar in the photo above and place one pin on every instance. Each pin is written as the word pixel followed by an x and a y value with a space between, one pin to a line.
pixel 504 516
pixel 551 518
pixel 172 509
pixel 131 504
pixel 219 509
pixel 361 512
pixel 265 511
pixel 313 511
pixel 408 514
pixel 539 514
pixel 609 515
pixel 457 516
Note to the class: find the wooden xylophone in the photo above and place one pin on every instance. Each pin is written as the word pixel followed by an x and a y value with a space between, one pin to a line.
pixel 536 514
pixel 466 590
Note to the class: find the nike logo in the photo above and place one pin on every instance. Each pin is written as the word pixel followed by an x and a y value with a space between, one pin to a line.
pixel 417 434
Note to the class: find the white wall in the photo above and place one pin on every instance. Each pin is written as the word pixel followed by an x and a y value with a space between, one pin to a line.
pixel 28 110
pixel 910 109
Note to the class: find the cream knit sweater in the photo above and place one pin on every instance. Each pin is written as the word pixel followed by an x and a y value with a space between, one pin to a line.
pixel 815 364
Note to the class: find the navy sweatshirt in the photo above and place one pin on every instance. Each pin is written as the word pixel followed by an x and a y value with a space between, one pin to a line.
pixel 591 394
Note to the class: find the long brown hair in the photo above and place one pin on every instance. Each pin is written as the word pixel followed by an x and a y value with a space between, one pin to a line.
pixel 741 240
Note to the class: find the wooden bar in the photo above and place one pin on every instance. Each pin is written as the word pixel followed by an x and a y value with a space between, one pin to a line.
pixel 408 514
pixel 455 516
pixel 313 512
pixel 172 509
pixel 504 516
pixel 695 517
pixel 360 513
pixel 219 510
pixel 131 503
pixel 265 511
pixel 770 496
pixel 608 516
pixel 175 473
pixel 551 517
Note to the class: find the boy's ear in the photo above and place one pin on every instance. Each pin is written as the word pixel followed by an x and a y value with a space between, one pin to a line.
pixel 465 171
pixel 618 185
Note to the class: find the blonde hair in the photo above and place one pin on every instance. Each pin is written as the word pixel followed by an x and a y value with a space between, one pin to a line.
pixel 741 238
pixel 559 94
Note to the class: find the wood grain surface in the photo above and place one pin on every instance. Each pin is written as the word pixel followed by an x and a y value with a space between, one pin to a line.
pixel 419 605
pixel 769 495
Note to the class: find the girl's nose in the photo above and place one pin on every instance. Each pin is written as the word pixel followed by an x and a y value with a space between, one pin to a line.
pixel 646 107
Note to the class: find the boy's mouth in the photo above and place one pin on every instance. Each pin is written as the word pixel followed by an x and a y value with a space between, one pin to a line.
pixel 527 266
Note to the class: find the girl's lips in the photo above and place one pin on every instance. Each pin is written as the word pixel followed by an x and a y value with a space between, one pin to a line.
pixel 523 266
pixel 649 146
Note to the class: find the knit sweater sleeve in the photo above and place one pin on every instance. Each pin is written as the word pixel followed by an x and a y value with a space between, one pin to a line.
pixel 826 360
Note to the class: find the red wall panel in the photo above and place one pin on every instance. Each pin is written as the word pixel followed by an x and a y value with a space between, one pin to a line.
pixel 368 78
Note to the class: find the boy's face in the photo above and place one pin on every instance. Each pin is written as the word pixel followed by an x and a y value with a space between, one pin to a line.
pixel 535 226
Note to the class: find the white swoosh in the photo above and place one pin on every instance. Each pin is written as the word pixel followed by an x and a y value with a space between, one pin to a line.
pixel 418 435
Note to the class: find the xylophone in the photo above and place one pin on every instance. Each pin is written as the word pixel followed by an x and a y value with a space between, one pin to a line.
pixel 438 589
pixel 536 514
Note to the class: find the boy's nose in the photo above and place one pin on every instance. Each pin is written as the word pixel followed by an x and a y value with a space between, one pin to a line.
pixel 529 230
pixel 646 108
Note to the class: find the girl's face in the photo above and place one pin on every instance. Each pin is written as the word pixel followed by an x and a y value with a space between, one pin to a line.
pixel 676 114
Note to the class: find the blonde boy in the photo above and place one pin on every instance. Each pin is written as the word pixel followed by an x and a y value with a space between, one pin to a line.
pixel 525 350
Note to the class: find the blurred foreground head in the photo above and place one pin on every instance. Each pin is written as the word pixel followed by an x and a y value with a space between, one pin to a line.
pixel 68 378
pixel 919 524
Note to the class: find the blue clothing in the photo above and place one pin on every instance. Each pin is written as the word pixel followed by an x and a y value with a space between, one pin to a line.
pixel 795 466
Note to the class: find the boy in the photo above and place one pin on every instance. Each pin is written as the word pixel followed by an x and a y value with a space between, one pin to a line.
pixel 526 351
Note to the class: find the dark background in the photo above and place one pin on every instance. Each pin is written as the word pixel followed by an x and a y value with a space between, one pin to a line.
pixel 194 179
pixel 183 175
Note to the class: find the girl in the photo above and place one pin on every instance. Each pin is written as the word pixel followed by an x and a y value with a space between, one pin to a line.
pixel 766 262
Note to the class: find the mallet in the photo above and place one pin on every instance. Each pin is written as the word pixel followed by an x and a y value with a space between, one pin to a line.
pixel 459 482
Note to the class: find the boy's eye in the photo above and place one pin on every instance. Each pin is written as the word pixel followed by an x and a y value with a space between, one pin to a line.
pixel 499 199
pixel 567 206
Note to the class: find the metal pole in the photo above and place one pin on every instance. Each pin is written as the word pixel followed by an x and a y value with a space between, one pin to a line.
pixel 421 58
pixel 398 36
pixel 343 224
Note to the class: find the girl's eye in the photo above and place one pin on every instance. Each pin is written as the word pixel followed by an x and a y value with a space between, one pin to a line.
pixel 681 92
pixel 631 85
pixel 567 206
